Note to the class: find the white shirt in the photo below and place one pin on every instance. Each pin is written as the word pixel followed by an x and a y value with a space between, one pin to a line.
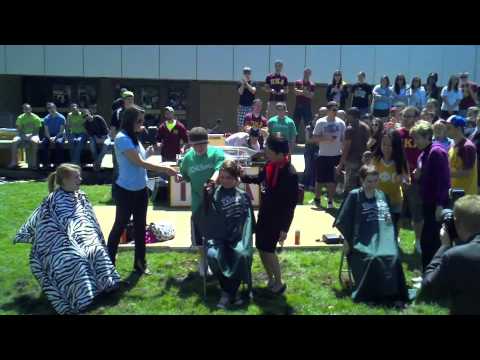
pixel 241 139
pixel 334 128
pixel 452 97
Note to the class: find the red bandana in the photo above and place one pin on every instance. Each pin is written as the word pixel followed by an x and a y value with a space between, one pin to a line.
pixel 272 169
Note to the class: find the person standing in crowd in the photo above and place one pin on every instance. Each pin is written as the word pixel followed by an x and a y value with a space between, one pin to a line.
pixel 390 162
pixel 411 190
pixel 283 124
pixel 276 85
pixel 28 127
pixel 329 133
pixel 337 90
pixel 54 134
pixel 118 103
pixel 462 157
pixel 131 186
pixel 69 258
pixel 451 97
pixel 428 116
pixel 433 175
pixel 475 138
pixel 440 135
pixel 432 105
pixel 311 152
pixel 244 139
pixel 247 90
pixel 97 131
pixel 356 137
pixel 277 207
pixel 382 98
pixel 470 96
pixel 395 118
pixel 304 91
pixel 171 136
pixel 432 91
pixel 399 90
pixel 361 94
pixel 77 136
pixel 200 166
pixel 452 274
pixel 257 121
pixel 416 95
pixel 471 120
pixel 376 133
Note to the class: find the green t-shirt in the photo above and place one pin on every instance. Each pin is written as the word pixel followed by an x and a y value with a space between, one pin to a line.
pixel 286 127
pixel 76 123
pixel 29 123
pixel 198 169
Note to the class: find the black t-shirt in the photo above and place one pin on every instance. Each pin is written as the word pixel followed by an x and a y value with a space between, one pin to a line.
pixel 360 93
pixel 96 127
pixel 117 104
pixel 115 121
pixel 246 99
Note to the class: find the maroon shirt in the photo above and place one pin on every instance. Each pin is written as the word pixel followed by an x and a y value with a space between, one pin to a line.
pixel 467 100
pixel 300 85
pixel 277 82
pixel 171 140
pixel 255 122
pixel 411 151
pixel 467 151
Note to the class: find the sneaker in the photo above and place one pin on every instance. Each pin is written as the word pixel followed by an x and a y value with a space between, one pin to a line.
pixel 238 300
pixel 330 205
pixel 317 203
pixel 417 279
pixel 224 301
pixel 417 285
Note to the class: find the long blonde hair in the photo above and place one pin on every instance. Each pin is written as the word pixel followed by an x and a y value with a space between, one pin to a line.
pixel 57 177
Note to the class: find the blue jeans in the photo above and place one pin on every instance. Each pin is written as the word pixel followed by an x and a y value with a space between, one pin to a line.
pixel 310 154
pixel 45 154
pixel 77 142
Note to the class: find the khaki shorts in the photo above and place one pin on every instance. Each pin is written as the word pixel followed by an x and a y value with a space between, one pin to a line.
pixel 352 179
pixel 412 202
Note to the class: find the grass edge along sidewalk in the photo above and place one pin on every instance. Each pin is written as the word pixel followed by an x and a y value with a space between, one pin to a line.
pixel 174 288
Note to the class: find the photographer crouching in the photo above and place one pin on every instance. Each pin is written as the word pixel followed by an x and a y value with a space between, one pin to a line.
pixel 453 273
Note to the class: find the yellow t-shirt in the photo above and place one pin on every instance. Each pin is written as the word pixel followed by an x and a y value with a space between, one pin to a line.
pixel 171 125
pixel 467 183
pixel 387 173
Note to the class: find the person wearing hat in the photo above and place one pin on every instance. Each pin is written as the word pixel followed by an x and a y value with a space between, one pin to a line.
pixel 276 85
pixel 462 157
pixel 244 139
pixel 199 167
pixel 172 134
pixel 247 90
pixel 470 97
pixel 118 103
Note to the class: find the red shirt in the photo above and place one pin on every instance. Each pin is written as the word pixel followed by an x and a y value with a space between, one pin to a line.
pixel 171 140
pixel 411 151
pixel 277 82
pixel 255 122
pixel 300 85
pixel 467 100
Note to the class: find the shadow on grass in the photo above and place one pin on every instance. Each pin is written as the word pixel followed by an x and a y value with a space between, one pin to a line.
pixel 192 285
pixel 29 304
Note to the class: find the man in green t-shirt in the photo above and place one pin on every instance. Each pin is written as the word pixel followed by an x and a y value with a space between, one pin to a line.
pixel 200 166
pixel 77 134
pixel 28 126
pixel 283 124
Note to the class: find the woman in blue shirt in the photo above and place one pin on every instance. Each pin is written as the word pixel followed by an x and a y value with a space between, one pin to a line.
pixel 131 185
pixel 382 98
pixel 399 89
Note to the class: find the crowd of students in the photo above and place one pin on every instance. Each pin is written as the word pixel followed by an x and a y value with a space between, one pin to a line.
pixel 394 146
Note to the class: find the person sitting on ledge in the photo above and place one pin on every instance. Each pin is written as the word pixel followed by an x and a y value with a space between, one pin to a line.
pixel 373 255
pixel 244 139
pixel 69 257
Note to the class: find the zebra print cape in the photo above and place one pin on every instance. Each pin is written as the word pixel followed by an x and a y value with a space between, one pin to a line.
pixel 69 256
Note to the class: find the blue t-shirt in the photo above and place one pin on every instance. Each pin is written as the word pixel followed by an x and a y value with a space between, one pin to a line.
pixel 130 176
pixel 54 123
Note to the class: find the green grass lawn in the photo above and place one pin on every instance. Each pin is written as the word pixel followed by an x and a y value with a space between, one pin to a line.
pixel 175 288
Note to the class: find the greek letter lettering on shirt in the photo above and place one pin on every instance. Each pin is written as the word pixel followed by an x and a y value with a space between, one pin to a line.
pixel 231 205
pixel 331 128
pixel 200 167
pixel 408 143
pixel 277 81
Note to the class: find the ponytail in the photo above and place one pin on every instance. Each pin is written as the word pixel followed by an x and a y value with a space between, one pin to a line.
pixel 51 181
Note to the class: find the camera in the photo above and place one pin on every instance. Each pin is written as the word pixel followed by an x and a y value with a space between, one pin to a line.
pixel 447 219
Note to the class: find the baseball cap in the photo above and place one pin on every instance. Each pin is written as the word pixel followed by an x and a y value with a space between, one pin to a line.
pixel 169 108
pixel 331 104
pixel 198 135
pixel 457 121
pixel 464 75
pixel 126 94
pixel 247 69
